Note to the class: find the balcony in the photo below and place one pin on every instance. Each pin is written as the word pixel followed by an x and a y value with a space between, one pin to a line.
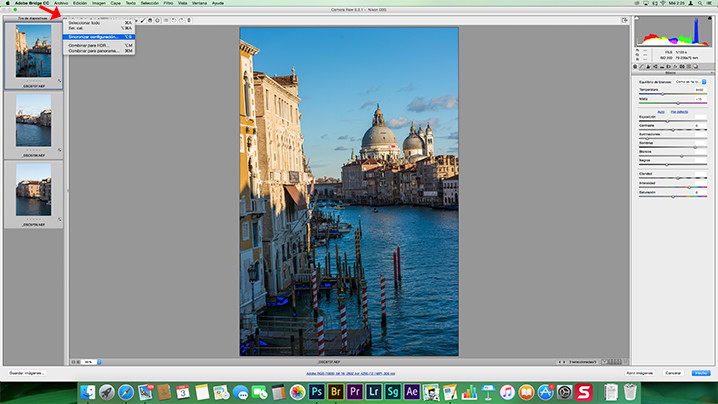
pixel 255 207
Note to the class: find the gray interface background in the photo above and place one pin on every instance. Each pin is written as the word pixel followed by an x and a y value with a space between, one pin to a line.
pixel 153 224
pixel 33 318
pixel 545 182
pixel 154 200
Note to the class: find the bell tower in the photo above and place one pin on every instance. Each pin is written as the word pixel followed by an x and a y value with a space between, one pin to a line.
pixel 429 141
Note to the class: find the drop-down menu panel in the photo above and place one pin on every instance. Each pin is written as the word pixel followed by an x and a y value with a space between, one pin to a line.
pixel 98 36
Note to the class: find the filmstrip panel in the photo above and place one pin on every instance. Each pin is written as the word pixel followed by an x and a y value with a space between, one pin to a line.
pixel 33 125
pixel 33 55
pixel 30 202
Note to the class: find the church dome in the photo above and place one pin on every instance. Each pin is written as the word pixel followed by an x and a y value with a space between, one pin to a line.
pixel 413 142
pixel 378 134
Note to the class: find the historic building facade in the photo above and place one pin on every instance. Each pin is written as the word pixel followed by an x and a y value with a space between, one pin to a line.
pixel 20 41
pixel 354 182
pixel 284 179
pixel 327 188
pixel 40 47
pixel 46 189
pixel 383 175
pixel 44 119
pixel 28 189
pixel 430 172
pixel 251 204
pixel 451 190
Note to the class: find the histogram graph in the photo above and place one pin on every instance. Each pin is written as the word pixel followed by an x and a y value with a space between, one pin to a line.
pixel 674 31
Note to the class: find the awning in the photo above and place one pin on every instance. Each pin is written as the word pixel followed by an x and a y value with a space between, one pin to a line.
pixel 296 196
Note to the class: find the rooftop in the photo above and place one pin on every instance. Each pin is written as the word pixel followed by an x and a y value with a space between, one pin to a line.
pixel 244 46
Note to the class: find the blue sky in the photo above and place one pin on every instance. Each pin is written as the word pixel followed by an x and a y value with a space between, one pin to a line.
pixel 34 31
pixel 344 72
pixel 32 171
pixel 32 104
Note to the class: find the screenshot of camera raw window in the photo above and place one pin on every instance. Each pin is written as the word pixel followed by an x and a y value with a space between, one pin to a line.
pixel 270 186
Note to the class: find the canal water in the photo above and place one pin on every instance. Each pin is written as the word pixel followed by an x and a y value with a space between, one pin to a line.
pixel 31 207
pixel 423 312
pixel 42 68
pixel 27 135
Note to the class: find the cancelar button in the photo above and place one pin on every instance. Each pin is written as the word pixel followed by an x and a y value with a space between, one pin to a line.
pixel 701 373
pixel 673 372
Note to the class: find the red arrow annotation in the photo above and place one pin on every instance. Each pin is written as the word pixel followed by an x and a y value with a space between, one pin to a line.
pixel 55 13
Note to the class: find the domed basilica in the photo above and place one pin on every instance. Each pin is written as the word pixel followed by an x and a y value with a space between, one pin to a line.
pixel 379 143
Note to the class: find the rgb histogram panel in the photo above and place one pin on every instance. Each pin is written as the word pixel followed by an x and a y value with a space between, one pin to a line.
pixel 674 31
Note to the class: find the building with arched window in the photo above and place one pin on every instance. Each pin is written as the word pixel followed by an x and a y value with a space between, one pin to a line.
pixel 251 205
pixel 284 178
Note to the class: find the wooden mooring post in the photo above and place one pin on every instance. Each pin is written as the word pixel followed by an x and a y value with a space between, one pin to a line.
pixel 398 262
pixel 294 299
pixel 396 282
pixel 328 261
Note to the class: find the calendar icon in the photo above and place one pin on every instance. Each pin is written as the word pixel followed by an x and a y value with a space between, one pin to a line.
pixel 182 392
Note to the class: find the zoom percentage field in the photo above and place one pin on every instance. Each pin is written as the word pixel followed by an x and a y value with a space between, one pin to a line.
pixel 98 36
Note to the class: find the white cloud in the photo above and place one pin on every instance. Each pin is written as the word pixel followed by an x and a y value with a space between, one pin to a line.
pixel 399 122
pixel 446 102
pixel 433 122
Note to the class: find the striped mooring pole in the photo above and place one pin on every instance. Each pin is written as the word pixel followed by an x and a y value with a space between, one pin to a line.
pixel 364 304
pixel 343 317
pixel 320 335
pixel 383 302
pixel 315 304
